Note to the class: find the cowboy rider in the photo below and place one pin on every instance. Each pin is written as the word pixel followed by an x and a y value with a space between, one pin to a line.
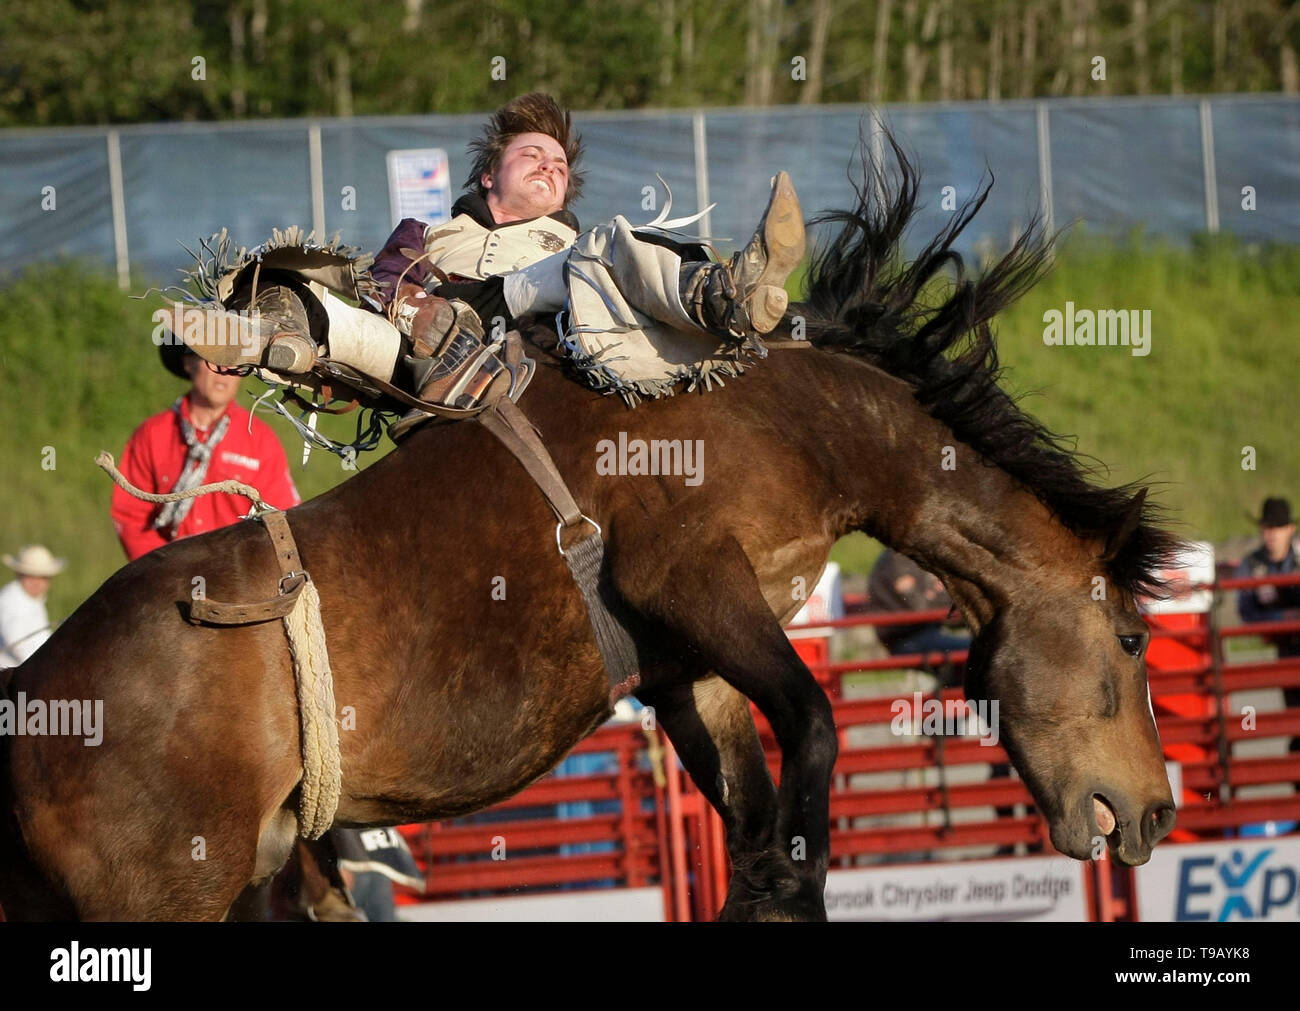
pixel 504 254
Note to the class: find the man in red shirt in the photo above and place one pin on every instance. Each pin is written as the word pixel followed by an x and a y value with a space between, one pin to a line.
pixel 204 437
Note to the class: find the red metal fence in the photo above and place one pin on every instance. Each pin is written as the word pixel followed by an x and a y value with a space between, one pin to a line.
pixel 642 822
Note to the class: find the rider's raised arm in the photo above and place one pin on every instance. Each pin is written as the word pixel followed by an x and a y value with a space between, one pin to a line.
pixel 395 259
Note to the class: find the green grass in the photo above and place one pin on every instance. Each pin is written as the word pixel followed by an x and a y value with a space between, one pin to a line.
pixel 78 373
pixel 1220 372
pixel 1221 375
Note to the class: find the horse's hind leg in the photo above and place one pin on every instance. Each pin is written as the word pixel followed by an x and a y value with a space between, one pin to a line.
pixel 711 727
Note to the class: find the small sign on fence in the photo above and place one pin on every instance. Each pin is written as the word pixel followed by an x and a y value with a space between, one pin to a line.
pixel 604 905
pixel 419 185
pixel 1194 566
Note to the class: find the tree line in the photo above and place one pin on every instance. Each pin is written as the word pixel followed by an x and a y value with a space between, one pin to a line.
pixel 66 62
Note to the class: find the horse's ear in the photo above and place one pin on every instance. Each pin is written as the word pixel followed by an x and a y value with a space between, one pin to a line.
pixel 1121 534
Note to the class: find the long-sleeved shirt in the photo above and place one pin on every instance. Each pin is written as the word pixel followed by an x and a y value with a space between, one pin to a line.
pixel 24 624
pixel 1282 598
pixel 155 456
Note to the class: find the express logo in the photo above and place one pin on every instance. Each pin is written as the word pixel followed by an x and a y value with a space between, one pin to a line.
pixel 1253 891
pixel 240 460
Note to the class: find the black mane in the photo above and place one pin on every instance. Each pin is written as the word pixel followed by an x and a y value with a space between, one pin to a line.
pixel 863 299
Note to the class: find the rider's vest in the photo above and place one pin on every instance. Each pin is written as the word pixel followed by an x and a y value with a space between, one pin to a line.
pixel 463 246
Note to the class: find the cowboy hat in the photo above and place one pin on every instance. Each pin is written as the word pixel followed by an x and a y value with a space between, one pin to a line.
pixel 1275 512
pixel 173 352
pixel 35 560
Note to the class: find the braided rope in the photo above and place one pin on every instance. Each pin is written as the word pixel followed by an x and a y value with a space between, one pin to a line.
pixel 322 771
pixel 230 486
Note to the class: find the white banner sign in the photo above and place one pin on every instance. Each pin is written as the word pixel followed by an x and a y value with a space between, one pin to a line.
pixel 1193 565
pixel 825 603
pixel 419 185
pixel 1223 881
pixel 1032 888
pixel 603 905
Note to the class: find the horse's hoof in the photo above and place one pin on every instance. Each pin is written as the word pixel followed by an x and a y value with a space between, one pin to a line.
pixel 791 911
pixel 804 905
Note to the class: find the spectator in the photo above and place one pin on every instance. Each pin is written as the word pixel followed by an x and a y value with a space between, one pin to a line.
pixel 1277 555
pixel 370 861
pixel 24 622
pixel 898 584
pixel 203 437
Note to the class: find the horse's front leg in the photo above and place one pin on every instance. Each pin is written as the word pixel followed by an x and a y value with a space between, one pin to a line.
pixel 711 727
pixel 712 600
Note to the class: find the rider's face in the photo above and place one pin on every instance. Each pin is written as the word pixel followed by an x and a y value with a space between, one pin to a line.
pixel 531 180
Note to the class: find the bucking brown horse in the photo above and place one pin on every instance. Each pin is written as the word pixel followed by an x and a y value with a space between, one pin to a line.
pixel 461 644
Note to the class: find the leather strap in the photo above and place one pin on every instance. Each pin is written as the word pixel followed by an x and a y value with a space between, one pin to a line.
pixel 507 422
pixel 341 372
pixel 212 612
pixel 286 551
pixel 584 555
pixel 292 580
pixel 326 392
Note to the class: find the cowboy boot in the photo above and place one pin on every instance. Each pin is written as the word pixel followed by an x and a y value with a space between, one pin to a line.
pixel 746 296
pixel 451 363
pixel 271 330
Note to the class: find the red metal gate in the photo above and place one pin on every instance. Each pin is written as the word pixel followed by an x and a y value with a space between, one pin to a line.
pixel 658 829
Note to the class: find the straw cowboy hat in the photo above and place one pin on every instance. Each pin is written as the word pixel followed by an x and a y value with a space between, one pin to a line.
pixel 35 560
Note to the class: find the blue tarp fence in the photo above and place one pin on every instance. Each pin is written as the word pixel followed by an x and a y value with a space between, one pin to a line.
pixel 1173 166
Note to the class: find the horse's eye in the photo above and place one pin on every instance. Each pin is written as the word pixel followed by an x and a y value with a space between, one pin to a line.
pixel 1131 644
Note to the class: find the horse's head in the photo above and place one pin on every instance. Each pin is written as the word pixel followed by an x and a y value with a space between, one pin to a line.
pixel 1044 563
pixel 1065 657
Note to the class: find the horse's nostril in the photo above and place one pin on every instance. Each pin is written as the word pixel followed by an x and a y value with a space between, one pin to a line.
pixel 1157 822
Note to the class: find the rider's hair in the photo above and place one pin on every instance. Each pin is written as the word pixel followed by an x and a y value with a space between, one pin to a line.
pixel 532 113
